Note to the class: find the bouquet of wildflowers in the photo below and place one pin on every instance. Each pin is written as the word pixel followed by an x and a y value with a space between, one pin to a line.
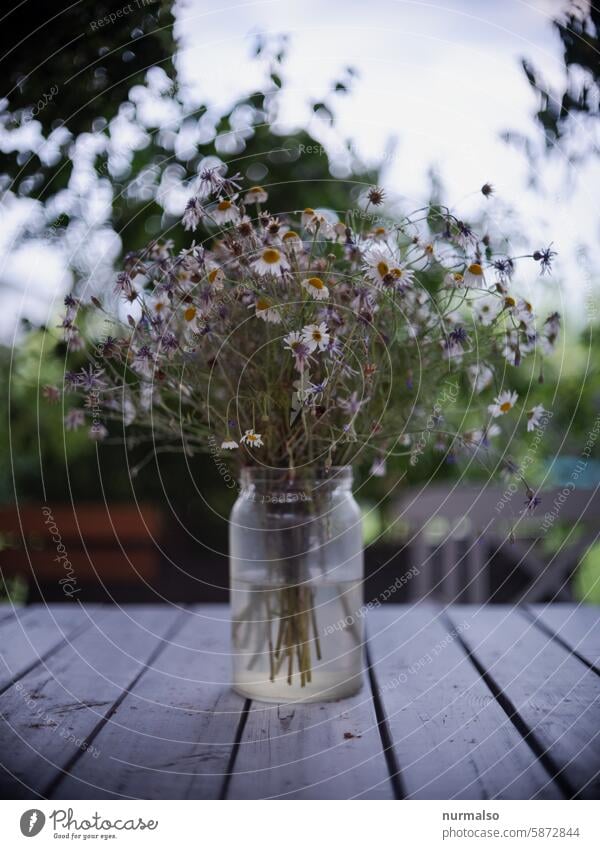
pixel 308 339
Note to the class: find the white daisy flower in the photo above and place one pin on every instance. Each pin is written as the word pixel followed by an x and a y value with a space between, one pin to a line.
pixel 384 269
pixel 474 276
pixel 266 311
pixel 229 444
pixel 316 288
pixel 454 279
pixel 254 440
pixel 256 194
pixel 503 403
pixel 316 336
pixel 535 417
pixel 315 222
pixel 307 216
pixel 481 377
pixel 292 240
pixel 225 212
pixel 216 278
pixel 524 312
pixel 378 234
pixel 270 261
pixel 295 343
pixel 487 309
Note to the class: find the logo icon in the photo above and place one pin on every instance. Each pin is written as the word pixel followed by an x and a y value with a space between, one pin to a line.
pixel 32 822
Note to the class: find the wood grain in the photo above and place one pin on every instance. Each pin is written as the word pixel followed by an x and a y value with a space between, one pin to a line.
pixel 553 693
pixel 173 734
pixel 451 738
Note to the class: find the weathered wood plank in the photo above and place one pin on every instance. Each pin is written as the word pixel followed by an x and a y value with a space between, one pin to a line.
pixel 173 734
pixel 555 695
pixel 314 751
pixel 578 625
pixel 451 738
pixel 33 633
pixel 50 715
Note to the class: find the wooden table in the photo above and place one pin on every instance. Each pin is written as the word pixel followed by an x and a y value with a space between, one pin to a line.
pixel 462 703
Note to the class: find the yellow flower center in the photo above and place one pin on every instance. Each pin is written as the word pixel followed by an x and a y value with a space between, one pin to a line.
pixel 396 273
pixel 504 408
pixel 255 190
pixel 309 211
pixel 190 314
pixel 382 268
pixel 458 277
pixel 317 335
pixel 271 256
pixel 252 437
pixel 379 231
pixel 509 302
pixel 159 306
pixel 476 269
pixel 262 304
pixel 316 283
pixel 224 205
pixel 290 235
pixel 213 275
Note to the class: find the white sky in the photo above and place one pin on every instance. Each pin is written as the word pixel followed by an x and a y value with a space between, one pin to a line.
pixel 443 79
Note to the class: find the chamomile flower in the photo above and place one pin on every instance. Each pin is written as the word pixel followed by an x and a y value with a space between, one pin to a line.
pixel 225 212
pixel 524 312
pixel 378 234
pixel 266 310
pixel 295 343
pixel 216 278
pixel 291 240
pixel 454 280
pixel 474 276
pixel 315 288
pixel 503 403
pixel 270 261
pixel 229 444
pixel 256 194
pixel 383 269
pixel 481 377
pixel 487 309
pixel 535 417
pixel 252 439
pixel 316 336
pixel 307 216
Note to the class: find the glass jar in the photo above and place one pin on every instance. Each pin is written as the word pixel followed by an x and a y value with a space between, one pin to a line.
pixel 296 561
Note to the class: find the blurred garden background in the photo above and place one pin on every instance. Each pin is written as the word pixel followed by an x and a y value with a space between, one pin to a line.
pixel 107 112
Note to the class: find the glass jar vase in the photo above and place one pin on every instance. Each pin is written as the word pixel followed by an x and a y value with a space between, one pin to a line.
pixel 296 561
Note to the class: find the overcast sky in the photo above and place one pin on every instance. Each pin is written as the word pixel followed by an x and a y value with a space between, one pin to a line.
pixel 441 79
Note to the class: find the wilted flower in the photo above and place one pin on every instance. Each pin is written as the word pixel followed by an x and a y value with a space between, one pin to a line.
pixel 270 261
pixel 316 288
pixel 256 194
pixel 252 439
pixel 535 417
pixel 229 444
